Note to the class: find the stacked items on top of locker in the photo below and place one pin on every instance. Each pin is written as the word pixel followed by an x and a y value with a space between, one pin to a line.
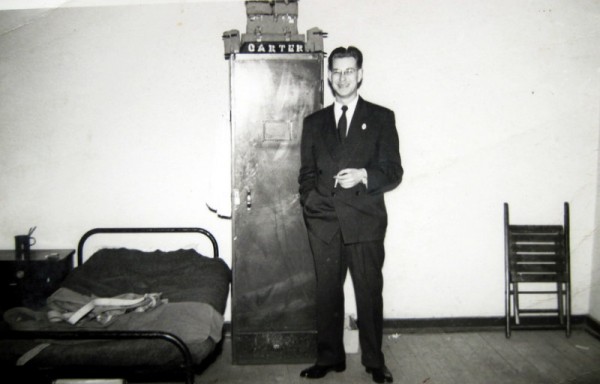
pixel 272 21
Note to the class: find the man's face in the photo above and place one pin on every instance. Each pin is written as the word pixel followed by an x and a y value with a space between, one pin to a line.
pixel 345 77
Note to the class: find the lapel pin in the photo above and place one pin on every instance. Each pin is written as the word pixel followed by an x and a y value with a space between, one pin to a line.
pixel 364 126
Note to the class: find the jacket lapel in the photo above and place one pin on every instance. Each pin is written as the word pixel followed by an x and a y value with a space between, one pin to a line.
pixel 329 133
pixel 358 119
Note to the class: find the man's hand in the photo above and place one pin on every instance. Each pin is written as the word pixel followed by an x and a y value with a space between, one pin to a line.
pixel 349 177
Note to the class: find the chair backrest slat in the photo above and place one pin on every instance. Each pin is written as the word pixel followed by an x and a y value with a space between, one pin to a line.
pixel 538 278
pixel 536 253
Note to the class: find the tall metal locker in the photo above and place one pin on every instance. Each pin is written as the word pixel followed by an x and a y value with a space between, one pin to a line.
pixel 275 81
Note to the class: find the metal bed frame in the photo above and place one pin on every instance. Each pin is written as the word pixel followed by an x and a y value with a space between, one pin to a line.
pixel 188 364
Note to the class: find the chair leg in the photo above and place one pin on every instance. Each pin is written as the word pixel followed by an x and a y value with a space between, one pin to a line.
pixel 568 308
pixel 507 294
pixel 561 307
pixel 516 302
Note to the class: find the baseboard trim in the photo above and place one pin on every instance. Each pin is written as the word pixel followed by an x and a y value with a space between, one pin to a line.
pixel 466 324
pixel 436 325
pixel 592 326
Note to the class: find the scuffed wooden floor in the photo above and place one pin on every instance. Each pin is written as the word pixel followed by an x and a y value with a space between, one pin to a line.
pixel 528 357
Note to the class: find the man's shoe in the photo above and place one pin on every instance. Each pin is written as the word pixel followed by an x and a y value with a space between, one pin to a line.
pixel 318 371
pixel 381 375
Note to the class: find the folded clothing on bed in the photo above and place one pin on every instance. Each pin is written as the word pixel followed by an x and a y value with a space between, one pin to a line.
pixel 72 307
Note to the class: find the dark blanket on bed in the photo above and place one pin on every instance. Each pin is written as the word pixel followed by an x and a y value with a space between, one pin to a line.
pixel 182 275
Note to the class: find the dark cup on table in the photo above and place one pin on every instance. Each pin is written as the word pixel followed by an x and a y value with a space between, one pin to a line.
pixel 23 245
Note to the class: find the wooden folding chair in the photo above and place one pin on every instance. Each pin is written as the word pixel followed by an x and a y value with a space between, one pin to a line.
pixel 537 256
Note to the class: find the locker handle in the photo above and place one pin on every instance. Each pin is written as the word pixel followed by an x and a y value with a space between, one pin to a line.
pixel 248 199
pixel 236 197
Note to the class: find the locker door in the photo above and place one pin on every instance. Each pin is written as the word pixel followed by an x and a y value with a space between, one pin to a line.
pixel 273 308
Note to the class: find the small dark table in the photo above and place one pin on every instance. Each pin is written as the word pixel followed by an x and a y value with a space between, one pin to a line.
pixel 29 282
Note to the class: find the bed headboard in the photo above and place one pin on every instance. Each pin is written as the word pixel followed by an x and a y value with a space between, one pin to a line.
pixel 90 233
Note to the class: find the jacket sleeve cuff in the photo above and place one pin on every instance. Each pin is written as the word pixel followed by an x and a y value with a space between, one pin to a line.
pixel 365 177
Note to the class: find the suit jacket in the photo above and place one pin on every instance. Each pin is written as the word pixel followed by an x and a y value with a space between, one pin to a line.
pixel 372 143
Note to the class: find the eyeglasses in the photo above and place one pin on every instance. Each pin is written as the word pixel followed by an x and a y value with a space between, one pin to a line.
pixel 345 72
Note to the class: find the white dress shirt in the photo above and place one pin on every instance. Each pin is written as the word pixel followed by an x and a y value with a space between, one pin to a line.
pixel 337 107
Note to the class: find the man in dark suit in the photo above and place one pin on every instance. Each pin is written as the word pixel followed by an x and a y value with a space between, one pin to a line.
pixel 349 157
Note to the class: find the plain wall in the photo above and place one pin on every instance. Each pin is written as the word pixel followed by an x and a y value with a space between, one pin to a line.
pixel 595 286
pixel 114 116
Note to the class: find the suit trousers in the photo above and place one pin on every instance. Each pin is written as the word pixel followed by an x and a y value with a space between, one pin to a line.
pixel 365 262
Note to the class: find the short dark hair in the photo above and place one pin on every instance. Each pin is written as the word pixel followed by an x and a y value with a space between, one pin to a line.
pixel 341 52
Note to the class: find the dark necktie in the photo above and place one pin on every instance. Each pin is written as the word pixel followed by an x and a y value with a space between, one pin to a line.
pixel 342 125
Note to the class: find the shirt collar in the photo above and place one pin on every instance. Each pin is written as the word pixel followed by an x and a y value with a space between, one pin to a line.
pixel 349 113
